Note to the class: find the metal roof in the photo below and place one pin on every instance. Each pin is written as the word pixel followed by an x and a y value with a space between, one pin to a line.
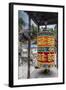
pixel 41 17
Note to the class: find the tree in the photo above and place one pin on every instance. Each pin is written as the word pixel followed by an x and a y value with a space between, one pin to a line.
pixel 34 30
pixel 21 23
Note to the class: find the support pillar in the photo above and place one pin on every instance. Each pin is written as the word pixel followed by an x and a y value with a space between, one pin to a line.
pixel 29 43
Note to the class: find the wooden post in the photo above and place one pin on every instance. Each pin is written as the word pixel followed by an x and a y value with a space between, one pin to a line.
pixel 29 43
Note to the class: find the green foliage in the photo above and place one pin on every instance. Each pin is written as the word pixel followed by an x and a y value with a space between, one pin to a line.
pixel 21 23
pixel 34 30
pixel 53 31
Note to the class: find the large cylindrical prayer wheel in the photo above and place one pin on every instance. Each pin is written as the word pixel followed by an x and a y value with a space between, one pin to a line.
pixel 46 48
